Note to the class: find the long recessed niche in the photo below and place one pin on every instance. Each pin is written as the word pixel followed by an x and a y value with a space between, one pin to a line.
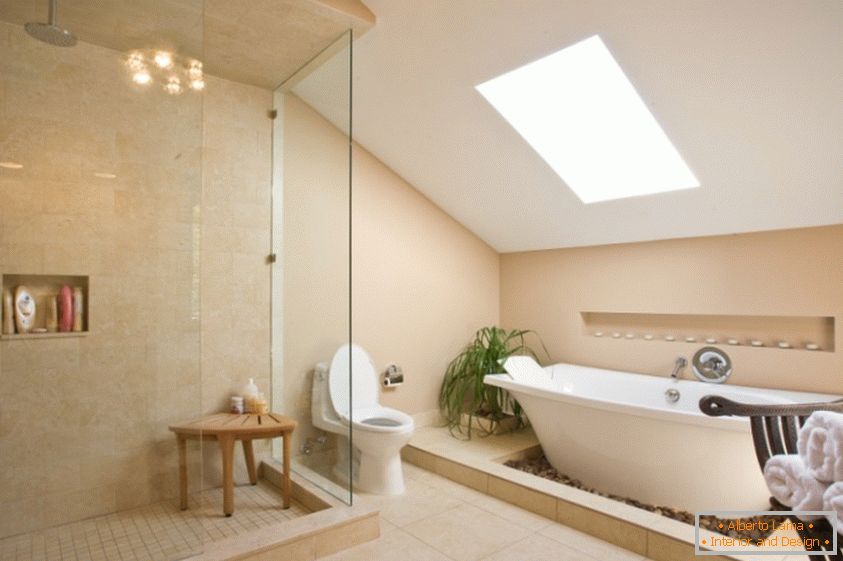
pixel 45 290
pixel 811 333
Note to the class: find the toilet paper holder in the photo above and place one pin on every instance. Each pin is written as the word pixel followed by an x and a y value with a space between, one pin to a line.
pixel 393 376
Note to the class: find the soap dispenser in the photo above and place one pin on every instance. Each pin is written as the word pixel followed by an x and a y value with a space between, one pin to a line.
pixel 250 394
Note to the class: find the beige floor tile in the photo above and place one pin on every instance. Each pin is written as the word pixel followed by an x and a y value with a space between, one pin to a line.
pixel 396 545
pixel 588 544
pixel 467 533
pixel 540 548
pixel 420 501
pixel 387 526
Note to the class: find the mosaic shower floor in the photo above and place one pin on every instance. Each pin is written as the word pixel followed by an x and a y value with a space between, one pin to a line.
pixel 155 532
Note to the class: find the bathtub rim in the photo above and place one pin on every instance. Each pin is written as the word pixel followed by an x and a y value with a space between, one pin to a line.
pixel 695 417
pixel 685 417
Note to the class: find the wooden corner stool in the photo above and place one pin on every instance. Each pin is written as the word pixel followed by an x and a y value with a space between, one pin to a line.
pixel 226 428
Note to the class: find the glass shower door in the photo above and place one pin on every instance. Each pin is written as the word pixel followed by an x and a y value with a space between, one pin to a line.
pixel 311 279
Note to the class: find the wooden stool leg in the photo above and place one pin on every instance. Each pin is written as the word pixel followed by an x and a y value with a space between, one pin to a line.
pixel 182 445
pixel 285 438
pixel 227 450
pixel 249 452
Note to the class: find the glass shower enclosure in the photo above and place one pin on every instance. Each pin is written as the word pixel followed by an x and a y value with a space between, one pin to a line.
pixel 311 279
pixel 172 223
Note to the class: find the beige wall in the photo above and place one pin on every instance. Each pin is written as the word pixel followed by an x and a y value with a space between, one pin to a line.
pixel 83 421
pixel 781 273
pixel 422 283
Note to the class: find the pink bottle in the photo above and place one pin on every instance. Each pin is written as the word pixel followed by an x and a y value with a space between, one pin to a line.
pixel 65 309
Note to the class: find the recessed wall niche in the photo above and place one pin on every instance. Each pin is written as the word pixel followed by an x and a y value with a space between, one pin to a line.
pixel 808 333
pixel 43 289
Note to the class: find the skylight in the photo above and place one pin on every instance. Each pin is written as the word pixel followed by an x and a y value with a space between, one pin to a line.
pixel 580 112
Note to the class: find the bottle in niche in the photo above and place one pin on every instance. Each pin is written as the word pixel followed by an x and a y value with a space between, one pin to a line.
pixel 77 308
pixel 65 309
pixel 53 315
pixel 8 313
pixel 24 310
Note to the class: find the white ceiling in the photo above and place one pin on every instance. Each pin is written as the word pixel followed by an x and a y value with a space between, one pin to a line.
pixel 750 92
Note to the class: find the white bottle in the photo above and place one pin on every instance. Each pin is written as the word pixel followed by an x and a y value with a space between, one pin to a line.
pixel 250 393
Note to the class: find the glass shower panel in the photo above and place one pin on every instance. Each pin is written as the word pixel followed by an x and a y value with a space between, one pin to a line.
pixel 311 303
pixel 100 194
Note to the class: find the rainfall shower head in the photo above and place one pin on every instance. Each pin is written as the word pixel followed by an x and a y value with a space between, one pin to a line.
pixel 50 32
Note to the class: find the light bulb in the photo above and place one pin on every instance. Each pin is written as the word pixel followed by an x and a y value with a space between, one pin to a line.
pixel 173 86
pixel 135 61
pixel 141 77
pixel 163 59
pixel 197 85
pixel 194 70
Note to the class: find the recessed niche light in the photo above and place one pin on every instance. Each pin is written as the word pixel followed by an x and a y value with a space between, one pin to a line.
pixel 580 112
pixel 103 175
pixel 11 165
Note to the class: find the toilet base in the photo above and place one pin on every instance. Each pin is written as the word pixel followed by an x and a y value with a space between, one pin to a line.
pixel 381 476
pixel 370 473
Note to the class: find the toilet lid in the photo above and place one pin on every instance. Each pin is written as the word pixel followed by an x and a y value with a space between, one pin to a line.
pixel 364 380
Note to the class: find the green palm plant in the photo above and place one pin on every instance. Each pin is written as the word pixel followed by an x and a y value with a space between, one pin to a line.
pixel 463 390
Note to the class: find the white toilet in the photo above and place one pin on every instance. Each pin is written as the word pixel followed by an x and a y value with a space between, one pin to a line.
pixel 378 433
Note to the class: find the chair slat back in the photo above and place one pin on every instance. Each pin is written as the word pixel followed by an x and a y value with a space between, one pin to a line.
pixel 775 429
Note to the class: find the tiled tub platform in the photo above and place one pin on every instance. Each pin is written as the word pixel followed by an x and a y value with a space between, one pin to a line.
pixel 478 463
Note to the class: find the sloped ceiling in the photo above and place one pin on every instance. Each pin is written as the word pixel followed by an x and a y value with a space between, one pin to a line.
pixel 750 92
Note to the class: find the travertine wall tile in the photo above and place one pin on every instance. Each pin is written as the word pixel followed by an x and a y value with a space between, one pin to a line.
pixel 175 249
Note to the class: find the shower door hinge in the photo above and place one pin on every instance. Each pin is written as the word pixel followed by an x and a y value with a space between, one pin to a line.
pixel 271 258
pixel 272 113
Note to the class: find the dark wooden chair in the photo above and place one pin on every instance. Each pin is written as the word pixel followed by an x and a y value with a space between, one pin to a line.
pixel 774 431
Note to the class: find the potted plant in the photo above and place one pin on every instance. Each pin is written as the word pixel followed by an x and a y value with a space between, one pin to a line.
pixel 465 401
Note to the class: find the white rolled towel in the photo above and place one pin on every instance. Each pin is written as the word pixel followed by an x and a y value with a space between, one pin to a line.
pixel 833 500
pixel 820 444
pixel 792 485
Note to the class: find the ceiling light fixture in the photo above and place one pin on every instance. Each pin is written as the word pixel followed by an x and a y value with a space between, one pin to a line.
pixel 166 68
pixel 104 175
pixel 580 112
pixel 11 165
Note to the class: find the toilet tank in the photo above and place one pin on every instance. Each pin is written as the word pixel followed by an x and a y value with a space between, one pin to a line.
pixel 321 410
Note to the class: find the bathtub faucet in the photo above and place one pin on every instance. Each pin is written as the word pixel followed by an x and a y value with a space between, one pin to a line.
pixel 681 362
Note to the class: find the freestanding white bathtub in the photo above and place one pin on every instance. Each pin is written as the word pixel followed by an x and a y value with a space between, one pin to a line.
pixel 616 432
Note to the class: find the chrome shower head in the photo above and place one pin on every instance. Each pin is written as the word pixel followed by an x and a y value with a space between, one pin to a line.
pixel 50 32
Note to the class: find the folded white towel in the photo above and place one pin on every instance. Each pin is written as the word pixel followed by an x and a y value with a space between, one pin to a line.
pixel 792 484
pixel 833 500
pixel 820 444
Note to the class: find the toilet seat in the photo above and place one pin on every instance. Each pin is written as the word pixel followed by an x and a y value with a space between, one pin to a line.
pixel 366 413
pixel 381 419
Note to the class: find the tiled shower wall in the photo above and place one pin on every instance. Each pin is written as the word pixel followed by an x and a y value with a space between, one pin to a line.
pixel 174 247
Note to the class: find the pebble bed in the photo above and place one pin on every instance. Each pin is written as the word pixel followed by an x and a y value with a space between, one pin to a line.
pixel 542 468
